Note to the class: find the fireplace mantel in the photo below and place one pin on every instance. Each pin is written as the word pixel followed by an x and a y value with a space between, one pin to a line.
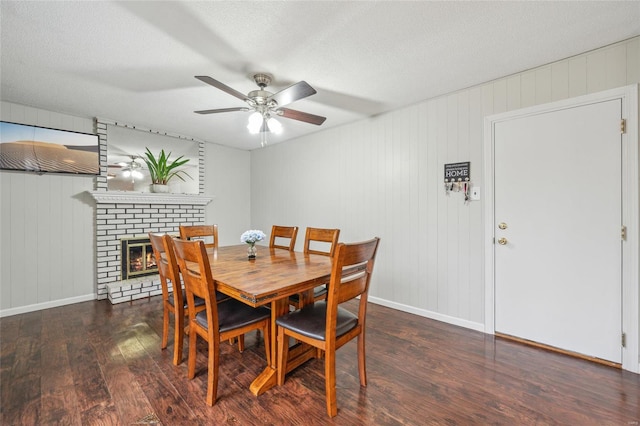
pixel 127 197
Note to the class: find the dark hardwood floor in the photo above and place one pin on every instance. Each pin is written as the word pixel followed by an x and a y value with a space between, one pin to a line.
pixel 96 364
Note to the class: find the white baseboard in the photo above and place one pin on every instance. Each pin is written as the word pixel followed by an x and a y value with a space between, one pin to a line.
pixel 46 305
pixel 429 314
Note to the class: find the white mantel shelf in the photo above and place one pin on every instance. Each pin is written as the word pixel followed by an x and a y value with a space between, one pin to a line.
pixel 125 197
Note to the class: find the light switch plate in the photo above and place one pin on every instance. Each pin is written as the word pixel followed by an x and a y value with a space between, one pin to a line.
pixel 475 193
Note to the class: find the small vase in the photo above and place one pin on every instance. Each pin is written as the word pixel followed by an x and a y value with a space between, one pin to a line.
pixel 251 251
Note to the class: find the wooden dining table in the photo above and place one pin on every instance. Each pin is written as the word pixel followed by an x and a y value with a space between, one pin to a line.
pixel 269 280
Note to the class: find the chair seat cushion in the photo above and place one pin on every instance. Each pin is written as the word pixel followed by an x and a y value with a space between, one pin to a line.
pixel 311 320
pixel 317 292
pixel 234 314
pixel 198 301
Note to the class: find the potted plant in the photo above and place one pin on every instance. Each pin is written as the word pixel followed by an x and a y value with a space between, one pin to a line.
pixel 161 170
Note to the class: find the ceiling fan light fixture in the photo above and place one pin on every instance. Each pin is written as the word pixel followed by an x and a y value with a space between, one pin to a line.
pixel 255 123
pixel 274 126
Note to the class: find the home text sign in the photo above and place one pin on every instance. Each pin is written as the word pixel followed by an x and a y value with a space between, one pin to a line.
pixel 457 172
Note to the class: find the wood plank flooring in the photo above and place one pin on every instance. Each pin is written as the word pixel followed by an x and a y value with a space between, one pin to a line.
pixel 94 363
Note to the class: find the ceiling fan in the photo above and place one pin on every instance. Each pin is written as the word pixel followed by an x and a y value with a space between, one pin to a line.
pixel 266 105
pixel 131 169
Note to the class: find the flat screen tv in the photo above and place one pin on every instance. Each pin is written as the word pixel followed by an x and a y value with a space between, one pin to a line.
pixel 42 150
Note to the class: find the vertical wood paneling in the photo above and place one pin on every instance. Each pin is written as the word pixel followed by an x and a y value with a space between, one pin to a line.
pixel 513 93
pixel 17 237
pixel 560 80
pixel 434 190
pixel 443 218
pixel 500 96
pixel 5 239
pixel 596 71
pixel 454 201
pixel 633 60
pixel 577 76
pixel 431 256
pixel 616 69
pixel 464 232
pixel 42 239
pixel 423 203
pixel 56 239
pixel 528 89
pixel 476 224
pixel 543 85
pixel 51 253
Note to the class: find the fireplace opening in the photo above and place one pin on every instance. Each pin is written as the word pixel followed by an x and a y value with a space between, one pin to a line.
pixel 137 258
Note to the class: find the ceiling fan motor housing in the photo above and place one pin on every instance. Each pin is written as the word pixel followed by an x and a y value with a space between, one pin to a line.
pixel 260 96
pixel 262 80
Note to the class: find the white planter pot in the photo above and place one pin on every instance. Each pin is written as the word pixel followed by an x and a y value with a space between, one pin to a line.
pixel 159 188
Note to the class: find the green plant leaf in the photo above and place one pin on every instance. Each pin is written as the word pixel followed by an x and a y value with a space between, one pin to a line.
pixel 161 170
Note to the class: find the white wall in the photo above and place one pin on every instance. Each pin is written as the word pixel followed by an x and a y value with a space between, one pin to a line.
pixel 47 246
pixel 384 177
pixel 47 235
pixel 227 173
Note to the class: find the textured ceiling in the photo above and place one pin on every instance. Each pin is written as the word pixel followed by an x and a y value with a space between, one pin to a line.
pixel 135 62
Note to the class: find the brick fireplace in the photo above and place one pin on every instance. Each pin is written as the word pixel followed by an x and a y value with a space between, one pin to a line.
pixel 124 215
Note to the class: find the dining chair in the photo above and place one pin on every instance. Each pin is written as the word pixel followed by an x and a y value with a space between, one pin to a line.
pixel 218 321
pixel 208 233
pixel 327 326
pixel 278 233
pixel 174 301
pixel 321 241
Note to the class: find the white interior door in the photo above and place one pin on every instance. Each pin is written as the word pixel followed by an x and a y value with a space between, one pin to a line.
pixel 557 190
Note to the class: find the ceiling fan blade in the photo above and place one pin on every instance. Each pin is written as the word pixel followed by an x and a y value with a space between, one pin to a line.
pixel 293 93
pixel 222 86
pixel 301 116
pixel 214 111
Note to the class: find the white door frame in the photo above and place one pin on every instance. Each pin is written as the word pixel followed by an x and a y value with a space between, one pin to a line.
pixel 630 211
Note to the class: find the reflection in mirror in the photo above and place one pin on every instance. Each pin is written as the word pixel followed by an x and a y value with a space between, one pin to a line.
pixel 127 170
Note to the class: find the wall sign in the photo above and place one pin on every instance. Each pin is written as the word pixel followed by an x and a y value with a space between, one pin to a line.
pixel 457 172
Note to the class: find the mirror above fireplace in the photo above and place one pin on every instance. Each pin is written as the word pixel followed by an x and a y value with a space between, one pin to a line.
pixel 126 169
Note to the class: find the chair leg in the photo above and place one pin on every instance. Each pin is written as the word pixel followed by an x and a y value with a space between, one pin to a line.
pixel 178 338
pixel 362 360
pixel 212 373
pixel 241 343
pixel 191 370
pixel 165 326
pixel 330 382
pixel 283 353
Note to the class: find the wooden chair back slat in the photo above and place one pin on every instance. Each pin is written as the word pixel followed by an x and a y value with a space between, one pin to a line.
pixel 283 232
pixel 207 233
pixel 321 235
pixel 351 272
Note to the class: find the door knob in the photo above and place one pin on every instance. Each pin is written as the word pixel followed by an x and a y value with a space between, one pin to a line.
pixel 502 241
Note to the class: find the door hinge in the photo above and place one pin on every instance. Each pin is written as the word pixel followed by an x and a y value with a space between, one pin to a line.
pixel 623 233
pixel 623 126
pixel 624 340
